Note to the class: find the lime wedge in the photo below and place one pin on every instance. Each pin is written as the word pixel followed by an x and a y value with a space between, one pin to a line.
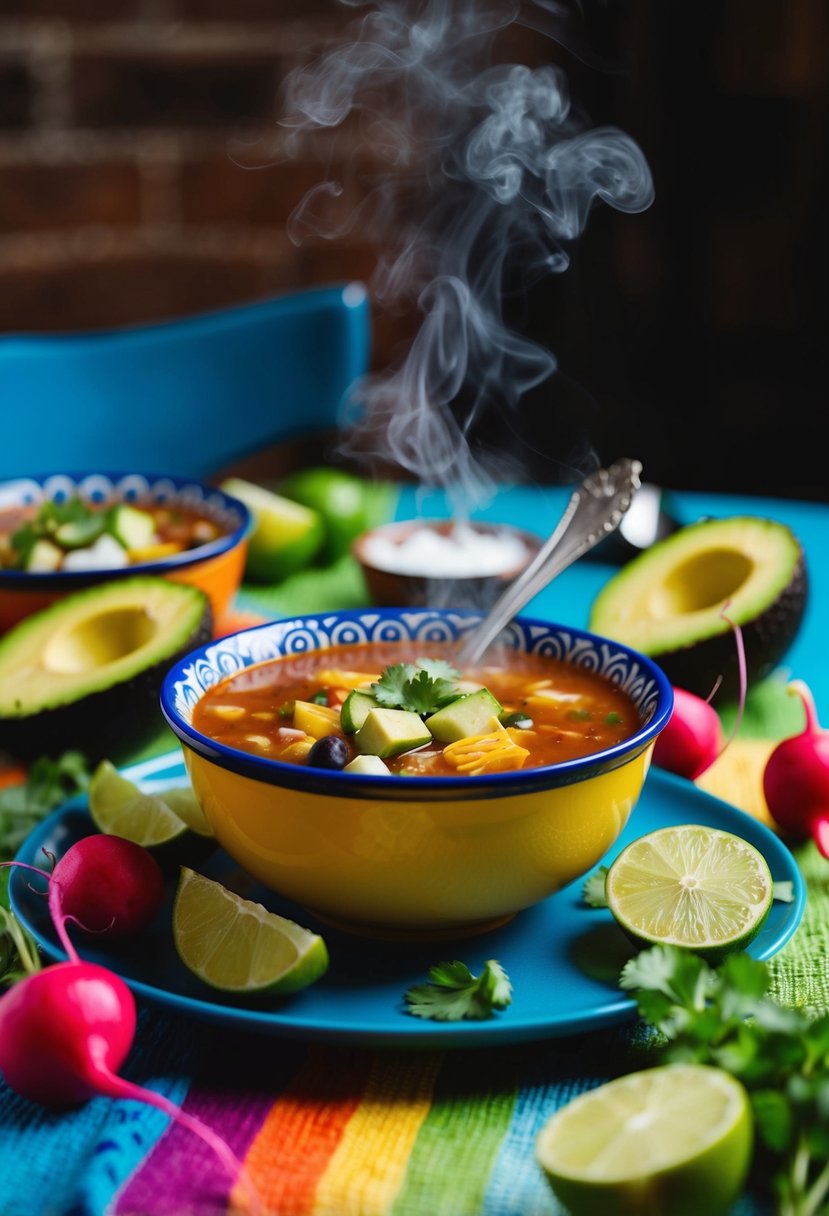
pixel 237 945
pixel 286 536
pixel 692 886
pixel 117 806
pixel 674 1140
pixel 182 802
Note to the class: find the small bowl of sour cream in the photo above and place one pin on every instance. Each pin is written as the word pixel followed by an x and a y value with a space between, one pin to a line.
pixel 442 563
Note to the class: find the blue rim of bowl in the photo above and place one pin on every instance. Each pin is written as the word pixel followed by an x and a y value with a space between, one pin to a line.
pixel 352 785
pixel 216 500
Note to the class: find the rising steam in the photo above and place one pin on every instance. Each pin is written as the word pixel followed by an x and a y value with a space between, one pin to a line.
pixel 478 172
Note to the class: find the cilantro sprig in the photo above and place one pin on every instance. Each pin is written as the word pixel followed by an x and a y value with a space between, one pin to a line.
pixel 423 687
pixel 455 993
pixel 49 782
pixel 727 1018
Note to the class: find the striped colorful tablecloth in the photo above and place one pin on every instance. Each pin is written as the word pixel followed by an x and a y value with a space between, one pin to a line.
pixel 331 1130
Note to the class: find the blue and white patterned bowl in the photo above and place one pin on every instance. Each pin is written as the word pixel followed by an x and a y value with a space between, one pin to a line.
pixel 420 855
pixel 216 566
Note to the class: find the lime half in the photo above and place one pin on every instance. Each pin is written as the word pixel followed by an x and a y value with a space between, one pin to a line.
pixel 286 536
pixel 674 1140
pixel 692 886
pixel 237 945
pixel 118 807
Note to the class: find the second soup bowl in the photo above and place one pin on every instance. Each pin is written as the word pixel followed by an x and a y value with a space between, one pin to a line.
pixel 414 856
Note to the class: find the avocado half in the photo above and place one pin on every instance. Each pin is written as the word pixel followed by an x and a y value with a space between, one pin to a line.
pixel 671 602
pixel 86 672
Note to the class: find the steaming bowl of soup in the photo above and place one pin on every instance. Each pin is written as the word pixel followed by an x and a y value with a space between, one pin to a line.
pixel 439 832
pixel 61 532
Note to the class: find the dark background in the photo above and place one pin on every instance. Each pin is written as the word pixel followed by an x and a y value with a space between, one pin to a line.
pixel 139 180
pixel 694 335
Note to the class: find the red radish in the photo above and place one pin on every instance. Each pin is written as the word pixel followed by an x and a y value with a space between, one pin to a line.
pixel 67 1029
pixel 104 884
pixel 692 739
pixel 63 1033
pixel 109 885
pixel 796 778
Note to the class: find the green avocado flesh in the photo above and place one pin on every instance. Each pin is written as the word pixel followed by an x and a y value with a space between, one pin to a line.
pixel 678 600
pixel 86 672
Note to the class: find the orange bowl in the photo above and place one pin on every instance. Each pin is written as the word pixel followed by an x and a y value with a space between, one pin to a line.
pixel 216 567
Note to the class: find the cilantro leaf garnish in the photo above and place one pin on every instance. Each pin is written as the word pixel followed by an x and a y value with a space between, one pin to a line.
pixel 424 695
pixel 439 669
pixel 422 687
pixel 389 690
pixel 455 993
pixel 49 783
pixel 593 888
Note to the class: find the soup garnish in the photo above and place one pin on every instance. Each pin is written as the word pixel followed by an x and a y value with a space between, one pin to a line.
pixel 76 535
pixel 382 708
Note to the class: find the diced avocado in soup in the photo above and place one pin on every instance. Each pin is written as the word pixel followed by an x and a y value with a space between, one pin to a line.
pixel 402 713
pixel 473 714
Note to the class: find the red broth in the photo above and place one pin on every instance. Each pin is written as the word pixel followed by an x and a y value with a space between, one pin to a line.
pixel 573 711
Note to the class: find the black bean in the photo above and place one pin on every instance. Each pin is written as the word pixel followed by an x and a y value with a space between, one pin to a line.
pixel 329 752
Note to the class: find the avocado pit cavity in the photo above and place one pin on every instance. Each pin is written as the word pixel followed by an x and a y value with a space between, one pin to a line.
pixel 705 581
pixel 99 640
pixel 669 602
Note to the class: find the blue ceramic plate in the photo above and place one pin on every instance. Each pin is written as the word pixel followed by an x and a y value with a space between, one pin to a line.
pixel 562 956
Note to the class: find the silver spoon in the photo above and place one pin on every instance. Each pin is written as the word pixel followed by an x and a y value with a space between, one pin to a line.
pixel 594 511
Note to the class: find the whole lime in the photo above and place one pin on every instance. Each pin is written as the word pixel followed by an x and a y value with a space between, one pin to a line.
pixel 347 503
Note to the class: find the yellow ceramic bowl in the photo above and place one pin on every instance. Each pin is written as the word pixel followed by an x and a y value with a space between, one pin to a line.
pixel 414 857
pixel 215 567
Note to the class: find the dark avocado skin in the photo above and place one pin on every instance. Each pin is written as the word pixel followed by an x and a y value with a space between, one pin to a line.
pixel 766 639
pixel 113 724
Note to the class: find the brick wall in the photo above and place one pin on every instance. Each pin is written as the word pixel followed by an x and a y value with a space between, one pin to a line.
pixel 139 158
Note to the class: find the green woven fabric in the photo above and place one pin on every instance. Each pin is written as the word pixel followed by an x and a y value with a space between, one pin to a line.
pixel 800 976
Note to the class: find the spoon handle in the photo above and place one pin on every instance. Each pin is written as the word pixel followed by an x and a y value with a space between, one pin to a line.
pixel 594 511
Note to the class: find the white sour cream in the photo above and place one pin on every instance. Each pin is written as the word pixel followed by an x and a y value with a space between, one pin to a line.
pixel 464 552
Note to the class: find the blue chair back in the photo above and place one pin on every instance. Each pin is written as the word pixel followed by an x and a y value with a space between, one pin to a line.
pixel 189 396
